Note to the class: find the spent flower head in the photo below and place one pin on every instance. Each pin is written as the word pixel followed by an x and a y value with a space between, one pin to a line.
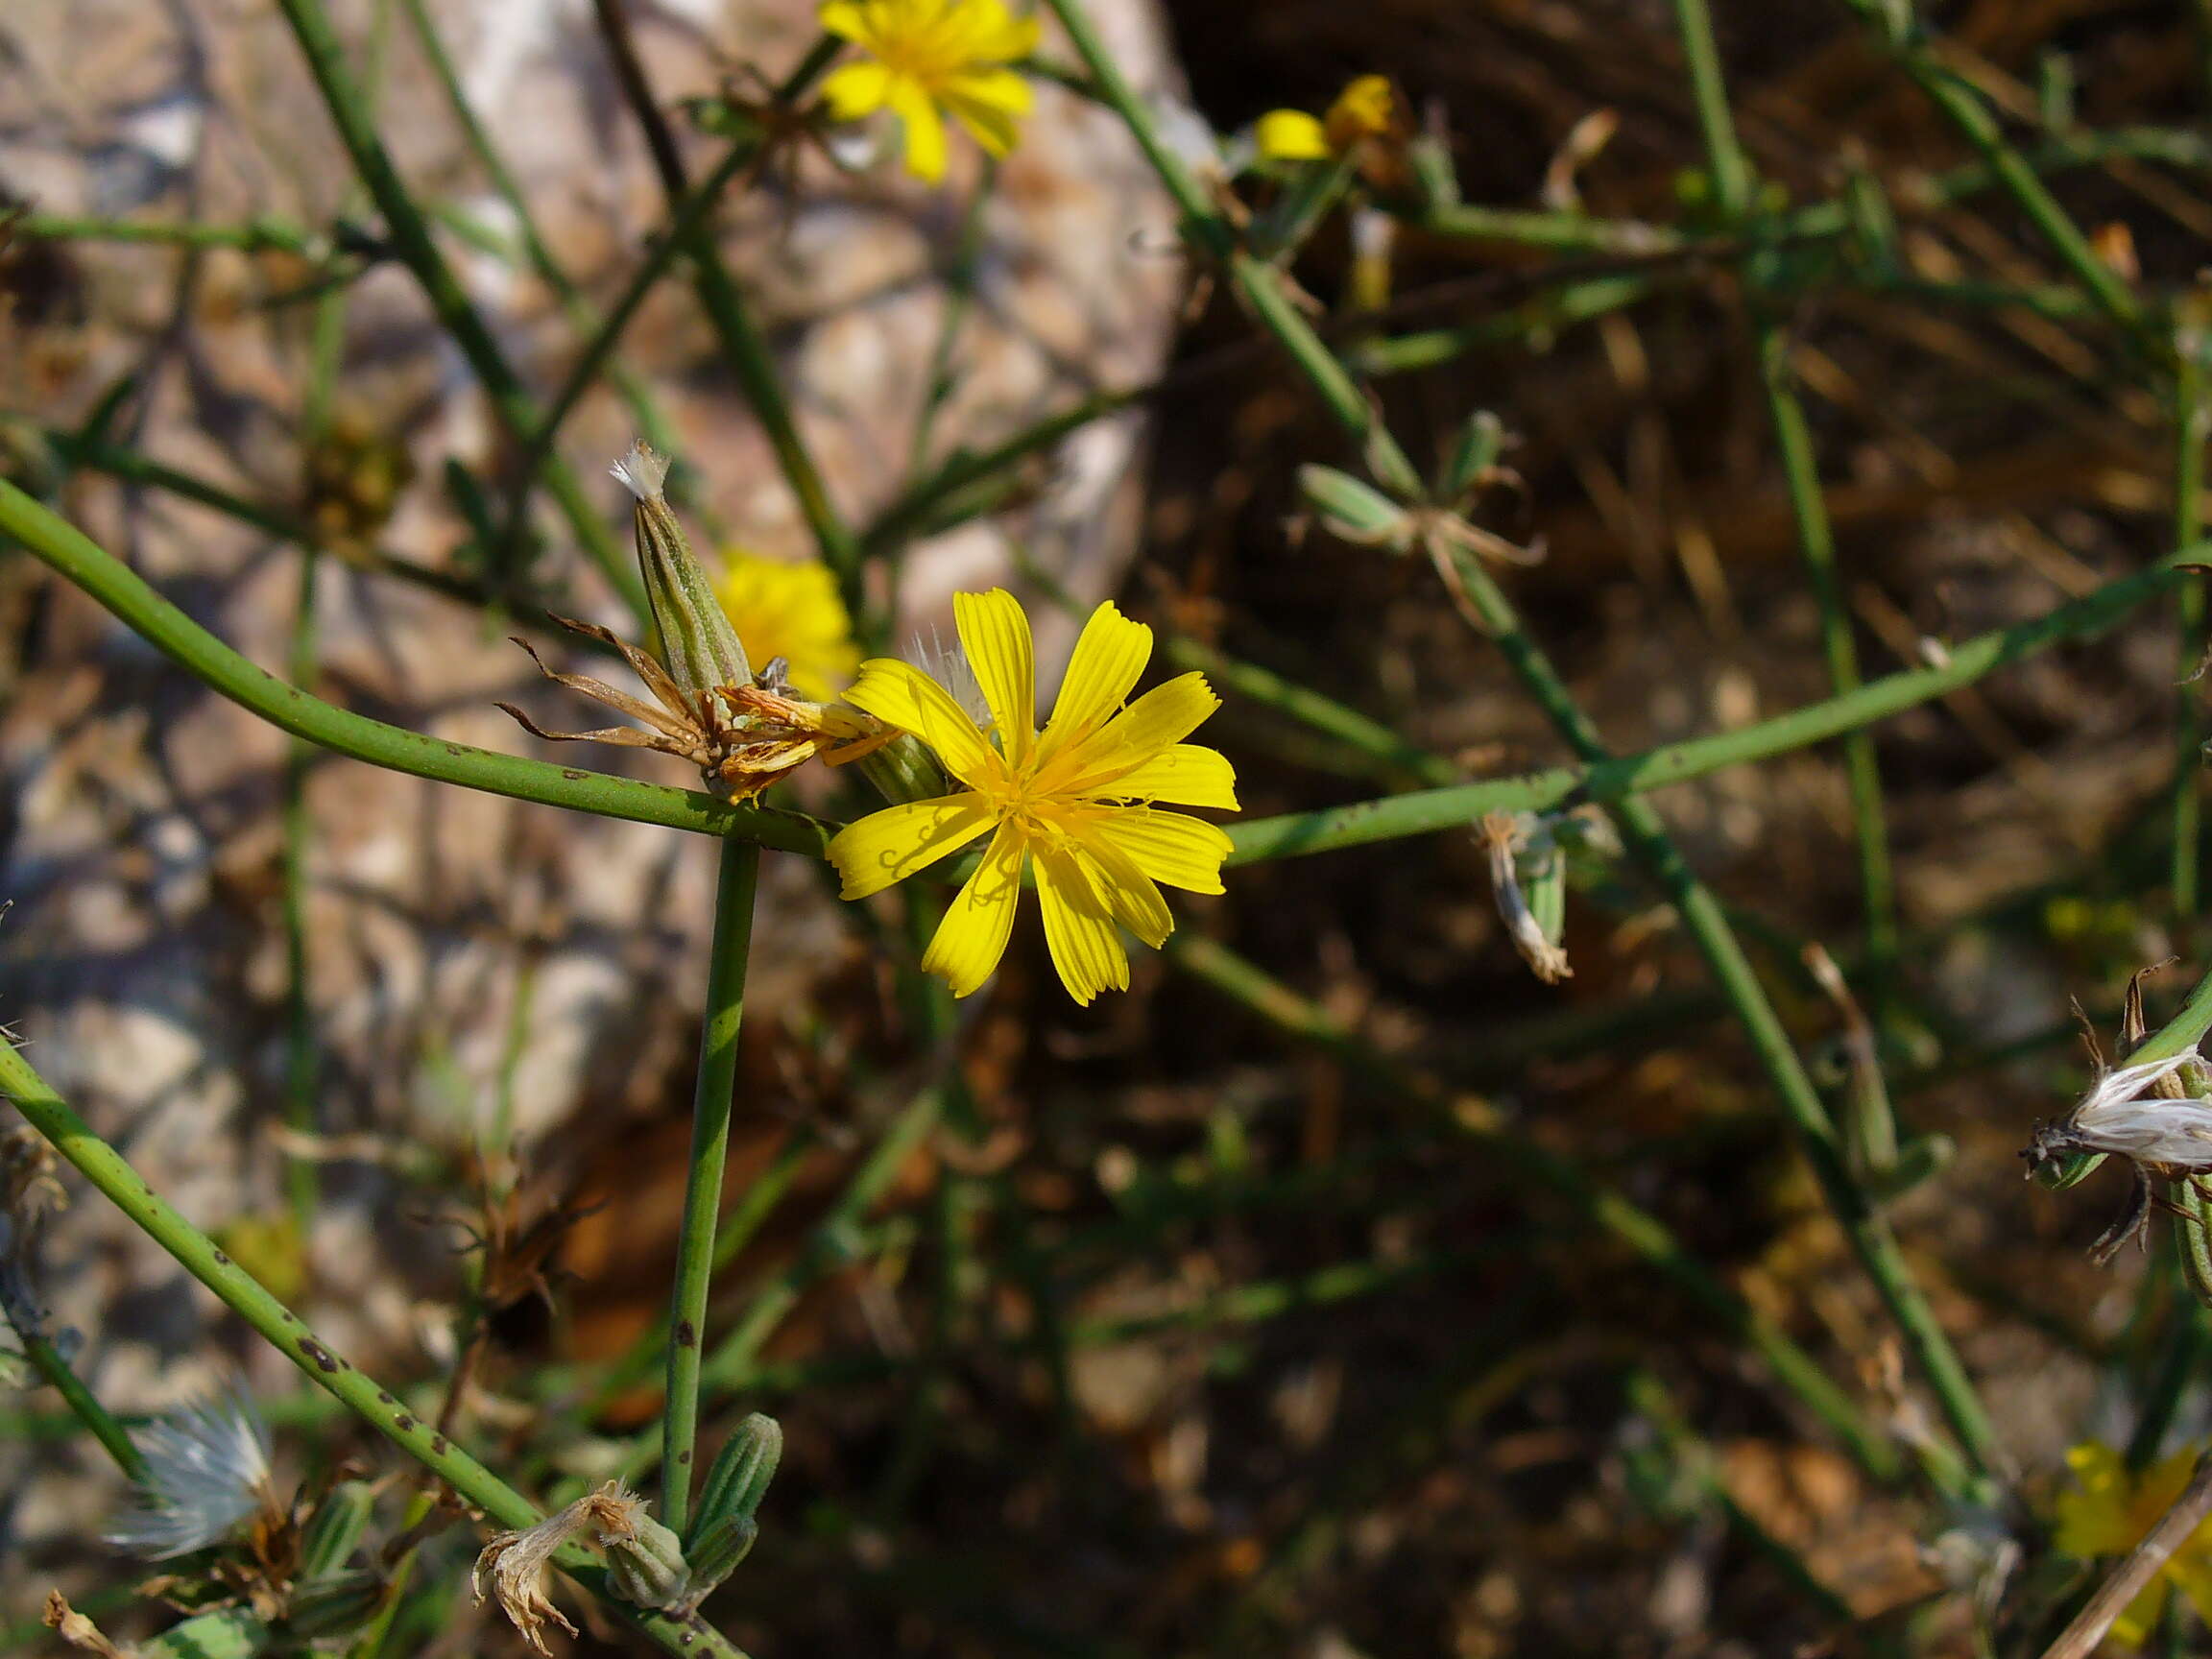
pixel 2111 1509
pixel 517 1561
pixel 741 729
pixel 207 1477
pixel 792 611
pixel 1076 801
pixel 929 58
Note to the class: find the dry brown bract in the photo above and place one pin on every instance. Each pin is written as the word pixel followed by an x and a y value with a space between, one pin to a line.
pixel 741 737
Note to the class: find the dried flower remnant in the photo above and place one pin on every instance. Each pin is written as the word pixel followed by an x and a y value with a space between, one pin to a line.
pixel 207 1477
pixel 928 60
pixel 2142 1113
pixel 2110 1511
pixel 1512 839
pixel 790 611
pixel 742 730
pixel 517 1560
pixel 1078 800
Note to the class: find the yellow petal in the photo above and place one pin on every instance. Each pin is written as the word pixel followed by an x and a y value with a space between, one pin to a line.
pixel 2189 1569
pixel 1109 656
pixel 857 90
pixel 925 130
pixel 990 126
pixel 1144 730
pixel 2093 1517
pixel 999 34
pixel 847 21
pixel 999 89
pixel 889 846
pixel 1079 929
pixel 1290 136
pixel 1188 775
pixel 994 633
pixel 1118 878
pixel 1170 847
pixel 972 936
pixel 899 694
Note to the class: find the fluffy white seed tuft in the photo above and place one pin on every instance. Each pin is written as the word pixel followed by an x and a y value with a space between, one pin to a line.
pixel 643 471
pixel 2118 1116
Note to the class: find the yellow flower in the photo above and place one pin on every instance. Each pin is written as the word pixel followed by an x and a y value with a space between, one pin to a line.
pixel 1366 108
pixel 793 612
pixel 928 59
pixel 1078 800
pixel 2112 1511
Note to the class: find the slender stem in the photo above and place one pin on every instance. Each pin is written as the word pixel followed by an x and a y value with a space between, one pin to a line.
pixel 155 619
pixel 2182 1352
pixel 2128 1579
pixel 262 236
pixel 743 344
pixel 415 249
pixel 696 208
pixel 1709 89
pixel 711 1106
pixel 84 1405
pixel 1427 812
pixel 1966 109
pixel 2192 417
pixel 1816 537
pixel 195 1253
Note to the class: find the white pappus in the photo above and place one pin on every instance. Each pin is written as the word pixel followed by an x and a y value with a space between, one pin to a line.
pixel 206 1475
pixel 2157 1134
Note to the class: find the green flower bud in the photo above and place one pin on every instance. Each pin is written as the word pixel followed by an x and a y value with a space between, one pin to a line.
pixel 903 770
pixel 335 1528
pixel 739 1479
pixel 1353 512
pixel 647 1565
pixel 697 645
pixel 716 1550
pixel 1475 450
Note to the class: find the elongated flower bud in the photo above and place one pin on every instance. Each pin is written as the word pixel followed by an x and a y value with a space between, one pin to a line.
pixel 739 1479
pixel 645 1564
pixel 697 645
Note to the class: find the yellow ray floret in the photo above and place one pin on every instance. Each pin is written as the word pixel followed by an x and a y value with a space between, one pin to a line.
pixel 929 58
pixel 1076 803
pixel 2110 1512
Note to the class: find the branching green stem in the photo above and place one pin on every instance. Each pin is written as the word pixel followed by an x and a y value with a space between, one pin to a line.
pixel 115 586
pixel 710 1108
pixel 195 1253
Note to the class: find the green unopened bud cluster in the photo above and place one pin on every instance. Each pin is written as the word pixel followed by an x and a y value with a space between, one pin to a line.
pixel 649 1565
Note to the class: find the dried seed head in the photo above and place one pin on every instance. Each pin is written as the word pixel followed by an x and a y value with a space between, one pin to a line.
pixel 698 645
pixel 206 1475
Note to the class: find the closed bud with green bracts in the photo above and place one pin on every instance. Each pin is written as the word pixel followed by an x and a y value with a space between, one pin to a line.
pixel 335 1603
pixel 1353 512
pixel 716 1550
pixel 1477 448
pixel 739 1479
pixel 335 1528
pixel 697 644
pixel 647 1566
pixel 904 771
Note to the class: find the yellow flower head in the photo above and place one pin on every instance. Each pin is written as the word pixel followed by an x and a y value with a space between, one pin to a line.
pixel 2109 1513
pixel 1366 108
pixel 792 611
pixel 1077 799
pixel 929 58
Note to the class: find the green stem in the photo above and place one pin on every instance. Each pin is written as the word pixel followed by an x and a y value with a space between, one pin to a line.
pixel 1427 812
pixel 710 1107
pixel 265 235
pixel 195 1253
pixel 1731 178
pixel 415 249
pixel 84 1405
pixel 2191 417
pixel 1965 110
pixel 743 345
pixel 154 618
